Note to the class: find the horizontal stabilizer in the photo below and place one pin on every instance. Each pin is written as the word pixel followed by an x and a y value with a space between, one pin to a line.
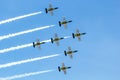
pixel 65 53
pixel 51 40
pixel 59 68
pixel 59 23
pixel 46 10
pixel 73 35
pixel 33 44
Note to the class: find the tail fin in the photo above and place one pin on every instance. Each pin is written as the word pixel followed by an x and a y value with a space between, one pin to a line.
pixel 65 53
pixel 51 40
pixel 59 23
pixel 33 44
pixel 59 68
pixel 46 10
pixel 73 35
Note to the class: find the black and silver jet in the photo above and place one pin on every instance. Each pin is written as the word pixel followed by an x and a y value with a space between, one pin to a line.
pixel 63 68
pixel 64 22
pixel 70 52
pixel 37 43
pixel 50 9
pixel 56 39
pixel 77 34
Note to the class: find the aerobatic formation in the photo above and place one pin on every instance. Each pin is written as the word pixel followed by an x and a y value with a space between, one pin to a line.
pixel 57 39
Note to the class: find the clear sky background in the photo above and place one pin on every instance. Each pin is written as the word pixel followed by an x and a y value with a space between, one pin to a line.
pixel 99 50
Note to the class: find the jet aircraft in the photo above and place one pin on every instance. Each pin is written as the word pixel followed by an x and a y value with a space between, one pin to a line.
pixel 56 39
pixel 70 52
pixel 63 68
pixel 64 22
pixel 50 9
pixel 37 43
pixel 77 34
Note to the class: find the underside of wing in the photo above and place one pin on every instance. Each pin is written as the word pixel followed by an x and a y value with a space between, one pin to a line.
pixel 50 5
pixel 65 25
pixel 69 48
pixel 51 13
pixel 57 42
pixel 77 31
pixel 38 41
pixel 38 46
pixel 63 65
pixel 79 38
pixel 71 56
pixel 56 36
pixel 64 19
pixel 64 71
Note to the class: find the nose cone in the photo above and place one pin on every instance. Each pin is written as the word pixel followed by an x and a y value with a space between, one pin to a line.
pixel 75 51
pixel 62 38
pixel 83 33
pixel 69 67
pixel 56 8
pixel 70 21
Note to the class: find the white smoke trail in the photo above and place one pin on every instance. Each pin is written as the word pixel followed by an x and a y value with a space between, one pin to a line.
pixel 19 47
pixel 15 48
pixel 23 32
pixel 23 46
pixel 67 37
pixel 26 61
pixel 25 75
pixel 19 17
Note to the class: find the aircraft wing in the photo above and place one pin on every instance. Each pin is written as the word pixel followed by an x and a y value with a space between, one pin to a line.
pixel 38 46
pixel 51 13
pixel 56 36
pixel 71 56
pixel 79 38
pixel 64 71
pixel 50 5
pixel 64 19
pixel 63 65
pixel 37 40
pixel 57 42
pixel 69 48
pixel 65 25
pixel 77 31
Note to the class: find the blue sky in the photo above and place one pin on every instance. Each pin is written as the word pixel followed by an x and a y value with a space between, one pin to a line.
pixel 98 57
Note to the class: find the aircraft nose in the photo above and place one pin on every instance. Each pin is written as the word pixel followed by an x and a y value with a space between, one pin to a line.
pixel 70 21
pixel 69 67
pixel 56 8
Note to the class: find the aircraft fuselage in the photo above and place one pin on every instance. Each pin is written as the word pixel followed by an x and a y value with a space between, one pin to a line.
pixel 51 9
pixel 64 68
pixel 57 39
